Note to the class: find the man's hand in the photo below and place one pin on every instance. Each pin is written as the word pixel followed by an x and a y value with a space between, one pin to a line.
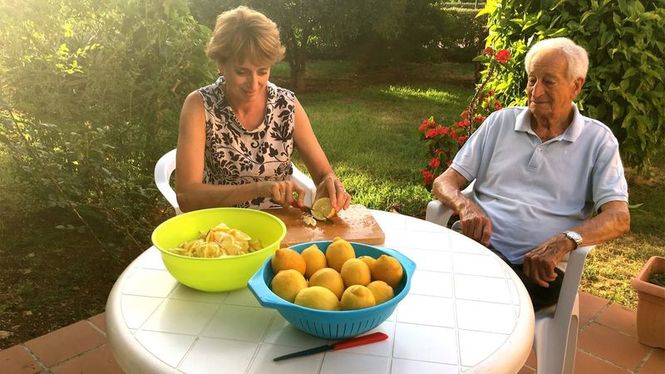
pixel 539 264
pixel 475 224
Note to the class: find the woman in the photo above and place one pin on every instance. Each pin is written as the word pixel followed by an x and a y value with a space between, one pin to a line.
pixel 237 135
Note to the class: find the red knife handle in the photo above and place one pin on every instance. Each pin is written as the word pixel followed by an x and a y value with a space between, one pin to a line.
pixel 365 339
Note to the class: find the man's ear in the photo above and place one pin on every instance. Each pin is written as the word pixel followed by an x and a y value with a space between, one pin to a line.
pixel 579 83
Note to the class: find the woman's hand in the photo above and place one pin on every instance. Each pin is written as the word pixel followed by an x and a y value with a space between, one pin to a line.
pixel 282 192
pixel 331 187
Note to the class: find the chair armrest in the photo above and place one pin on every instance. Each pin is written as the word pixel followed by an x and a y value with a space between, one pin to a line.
pixel 305 182
pixel 571 282
pixel 438 213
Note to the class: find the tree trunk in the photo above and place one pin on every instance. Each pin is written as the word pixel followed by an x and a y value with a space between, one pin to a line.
pixel 298 64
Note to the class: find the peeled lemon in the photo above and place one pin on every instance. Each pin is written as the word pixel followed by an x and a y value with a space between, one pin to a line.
pixel 322 209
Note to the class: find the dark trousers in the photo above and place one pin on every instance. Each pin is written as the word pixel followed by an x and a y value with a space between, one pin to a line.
pixel 541 297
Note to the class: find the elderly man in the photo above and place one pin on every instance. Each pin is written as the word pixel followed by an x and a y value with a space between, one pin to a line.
pixel 541 172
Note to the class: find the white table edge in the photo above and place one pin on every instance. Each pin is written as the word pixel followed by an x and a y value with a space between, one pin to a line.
pixel 123 353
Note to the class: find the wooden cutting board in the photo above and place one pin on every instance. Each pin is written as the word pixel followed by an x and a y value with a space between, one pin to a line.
pixel 355 224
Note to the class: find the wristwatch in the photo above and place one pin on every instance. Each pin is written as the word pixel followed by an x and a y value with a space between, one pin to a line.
pixel 574 236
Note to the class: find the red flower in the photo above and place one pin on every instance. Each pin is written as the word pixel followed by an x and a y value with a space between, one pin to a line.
pixel 503 56
pixel 443 131
pixel 478 119
pixel 430 133
pixel 434 163
pixel 463 124
pixel 498 107
pixel 426 124
pixel 462 139
pixel 428 177
pixel 488 51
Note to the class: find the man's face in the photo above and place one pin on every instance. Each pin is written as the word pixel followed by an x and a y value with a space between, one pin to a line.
pixel 549 89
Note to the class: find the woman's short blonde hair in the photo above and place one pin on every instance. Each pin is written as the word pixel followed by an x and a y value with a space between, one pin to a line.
pixel 243 34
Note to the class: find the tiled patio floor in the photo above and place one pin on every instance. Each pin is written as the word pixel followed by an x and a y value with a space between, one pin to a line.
pixel 607 344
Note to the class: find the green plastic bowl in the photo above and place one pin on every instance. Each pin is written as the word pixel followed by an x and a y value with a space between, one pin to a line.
pixel 217 274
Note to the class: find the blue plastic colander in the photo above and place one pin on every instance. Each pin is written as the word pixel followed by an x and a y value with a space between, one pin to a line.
pixel 332 324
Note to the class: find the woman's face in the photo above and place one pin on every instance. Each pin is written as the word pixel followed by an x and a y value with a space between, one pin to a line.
pixel 245 81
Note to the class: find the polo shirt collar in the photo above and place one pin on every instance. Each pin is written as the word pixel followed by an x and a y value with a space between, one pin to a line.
pixel 523 124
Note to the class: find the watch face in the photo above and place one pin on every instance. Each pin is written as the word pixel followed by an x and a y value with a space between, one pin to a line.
pixel 572 235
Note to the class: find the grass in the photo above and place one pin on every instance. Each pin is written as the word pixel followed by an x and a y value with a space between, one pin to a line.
pixel 612 265
pixel 370 137
pixel 366 123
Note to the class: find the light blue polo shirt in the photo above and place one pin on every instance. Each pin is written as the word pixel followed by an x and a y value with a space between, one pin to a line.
pixel 533 190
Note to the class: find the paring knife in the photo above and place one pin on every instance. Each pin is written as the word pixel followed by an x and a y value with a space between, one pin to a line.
pixel 354 342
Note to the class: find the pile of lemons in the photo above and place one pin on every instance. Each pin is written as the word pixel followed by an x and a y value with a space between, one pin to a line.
pixel 336 279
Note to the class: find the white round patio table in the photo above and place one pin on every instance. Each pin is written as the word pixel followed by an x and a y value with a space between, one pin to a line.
pixel 467 312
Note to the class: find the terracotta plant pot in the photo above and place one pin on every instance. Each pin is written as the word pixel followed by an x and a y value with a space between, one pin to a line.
pixel 650 304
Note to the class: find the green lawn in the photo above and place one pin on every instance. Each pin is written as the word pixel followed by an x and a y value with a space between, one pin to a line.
pixel 367 124
pixel 371 138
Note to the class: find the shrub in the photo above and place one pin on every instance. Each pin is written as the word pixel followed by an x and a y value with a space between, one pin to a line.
pixel 443 141
pixel 91 95
pixel 461 33
pixel 625 40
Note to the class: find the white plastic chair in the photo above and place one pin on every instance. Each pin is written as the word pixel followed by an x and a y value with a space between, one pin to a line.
pixel 557 326
pixel 166 165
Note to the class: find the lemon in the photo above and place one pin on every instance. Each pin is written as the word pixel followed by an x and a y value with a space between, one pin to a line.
pixel 322 209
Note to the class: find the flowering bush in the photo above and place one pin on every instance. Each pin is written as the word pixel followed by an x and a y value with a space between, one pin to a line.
pixel 443 141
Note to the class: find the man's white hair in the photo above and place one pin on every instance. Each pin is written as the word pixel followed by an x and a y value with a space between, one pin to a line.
pixel 576 56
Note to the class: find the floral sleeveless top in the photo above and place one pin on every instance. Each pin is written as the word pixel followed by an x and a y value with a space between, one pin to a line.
pixel 235 156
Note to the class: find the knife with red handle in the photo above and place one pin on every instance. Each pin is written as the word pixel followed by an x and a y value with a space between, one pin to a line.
pixel 354 342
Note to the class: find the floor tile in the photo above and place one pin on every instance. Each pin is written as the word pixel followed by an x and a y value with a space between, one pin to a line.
pixel 98 361
pixel 99 321
pixel 588 364
pixel 616 347
pixel 17 359
pixel 590 306
pixel 618 318
pixel 655 363
pixel 65 343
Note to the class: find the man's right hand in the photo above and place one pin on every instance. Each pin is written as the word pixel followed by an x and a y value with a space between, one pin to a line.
pixel 475 224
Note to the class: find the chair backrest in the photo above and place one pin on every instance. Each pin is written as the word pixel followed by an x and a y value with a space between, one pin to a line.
pixel 163 170
pixel 167 163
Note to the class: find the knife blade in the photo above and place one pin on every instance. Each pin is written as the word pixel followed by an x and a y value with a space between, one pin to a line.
pixel 353 342
pixel 303 208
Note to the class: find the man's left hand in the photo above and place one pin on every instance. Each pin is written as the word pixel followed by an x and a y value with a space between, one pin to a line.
pixel 539 264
